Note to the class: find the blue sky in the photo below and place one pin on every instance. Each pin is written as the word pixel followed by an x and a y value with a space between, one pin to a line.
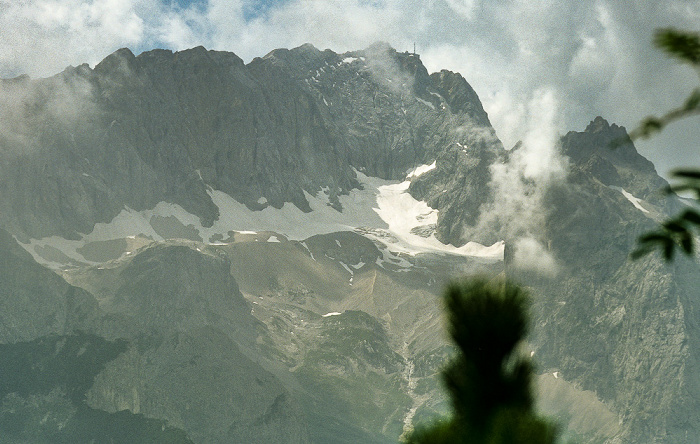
pixel 593 57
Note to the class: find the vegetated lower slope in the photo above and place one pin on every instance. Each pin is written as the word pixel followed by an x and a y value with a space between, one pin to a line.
pixel 263 243
pixel 355 341
pixel 49 361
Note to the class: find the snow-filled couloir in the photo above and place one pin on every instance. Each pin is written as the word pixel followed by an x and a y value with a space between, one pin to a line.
pixel 381 210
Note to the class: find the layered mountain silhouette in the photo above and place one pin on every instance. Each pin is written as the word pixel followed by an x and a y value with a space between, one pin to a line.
pixel 255 253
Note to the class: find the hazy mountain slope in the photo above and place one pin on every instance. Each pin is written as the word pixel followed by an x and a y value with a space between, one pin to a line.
pixel 624 330
pixel 349 334
pixel 163 126
pixel 266 238
pixel 187 325
pixel 47 367
pixel 34 302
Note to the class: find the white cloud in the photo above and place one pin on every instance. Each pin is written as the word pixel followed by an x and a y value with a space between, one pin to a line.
pixel 596 53
pixel 42 37
pixel 465 8
pixel 531 255
pixel 520 183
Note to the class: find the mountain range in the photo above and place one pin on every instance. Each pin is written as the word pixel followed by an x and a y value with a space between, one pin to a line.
pixel 196 249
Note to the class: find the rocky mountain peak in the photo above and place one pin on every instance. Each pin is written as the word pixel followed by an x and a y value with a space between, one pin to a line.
pixel 265 237
pixel 306 54
pixel 606 152
pixel 115 61
pixel 459 95
pixel 597 125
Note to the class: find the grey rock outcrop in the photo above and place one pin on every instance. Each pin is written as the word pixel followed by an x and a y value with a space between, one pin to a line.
pixel 164 126
pixel 624 330
pixel 34 301
pixel 320 327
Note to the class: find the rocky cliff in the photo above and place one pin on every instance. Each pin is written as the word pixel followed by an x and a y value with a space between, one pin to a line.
pixel 256 252
pixel 164 126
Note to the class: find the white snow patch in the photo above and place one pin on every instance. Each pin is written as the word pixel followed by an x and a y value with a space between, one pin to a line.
pixel 635 200
pixel 403 213
pixel 419 171
pixel 334 313
pixel 382 210
pixel 556 375
pixel 337 242
pixel 425 102
pixel 273 239
pixel 303 244
pixel 442 99
pixel 349 59
pixel 349 270
pixel 262 200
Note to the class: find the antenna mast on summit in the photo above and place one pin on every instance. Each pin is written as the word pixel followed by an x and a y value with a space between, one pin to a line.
pixel 414 48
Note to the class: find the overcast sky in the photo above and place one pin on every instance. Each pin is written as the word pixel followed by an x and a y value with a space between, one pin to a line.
pixel 594 57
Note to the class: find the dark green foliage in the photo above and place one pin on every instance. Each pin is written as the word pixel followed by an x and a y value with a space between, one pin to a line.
pixel 681 44
pixel 676 232
pixel 488 381
pixel 42 394
pixel 71 362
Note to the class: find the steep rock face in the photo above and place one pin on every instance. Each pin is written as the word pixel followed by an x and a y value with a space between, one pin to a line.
pixel 623 330
pixel 163 126
pixel 190 333
pixel 34 302
pixel 387 115
pixel 459 95
pixel 607 153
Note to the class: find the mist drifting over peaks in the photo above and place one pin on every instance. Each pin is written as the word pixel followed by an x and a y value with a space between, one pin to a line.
pixel 60 102
pixel 519 184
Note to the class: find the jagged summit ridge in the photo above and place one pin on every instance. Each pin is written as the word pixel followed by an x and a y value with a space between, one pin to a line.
pixel 304 197
pixel 606 151
pixel 166 126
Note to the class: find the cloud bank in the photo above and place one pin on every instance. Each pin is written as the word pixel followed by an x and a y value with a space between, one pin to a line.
pixel 596 54
pixel 520 184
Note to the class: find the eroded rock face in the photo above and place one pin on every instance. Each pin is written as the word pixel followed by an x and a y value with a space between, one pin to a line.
pixel 164 126
pixel 320 327
pixel 35 302
pixel 604 322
